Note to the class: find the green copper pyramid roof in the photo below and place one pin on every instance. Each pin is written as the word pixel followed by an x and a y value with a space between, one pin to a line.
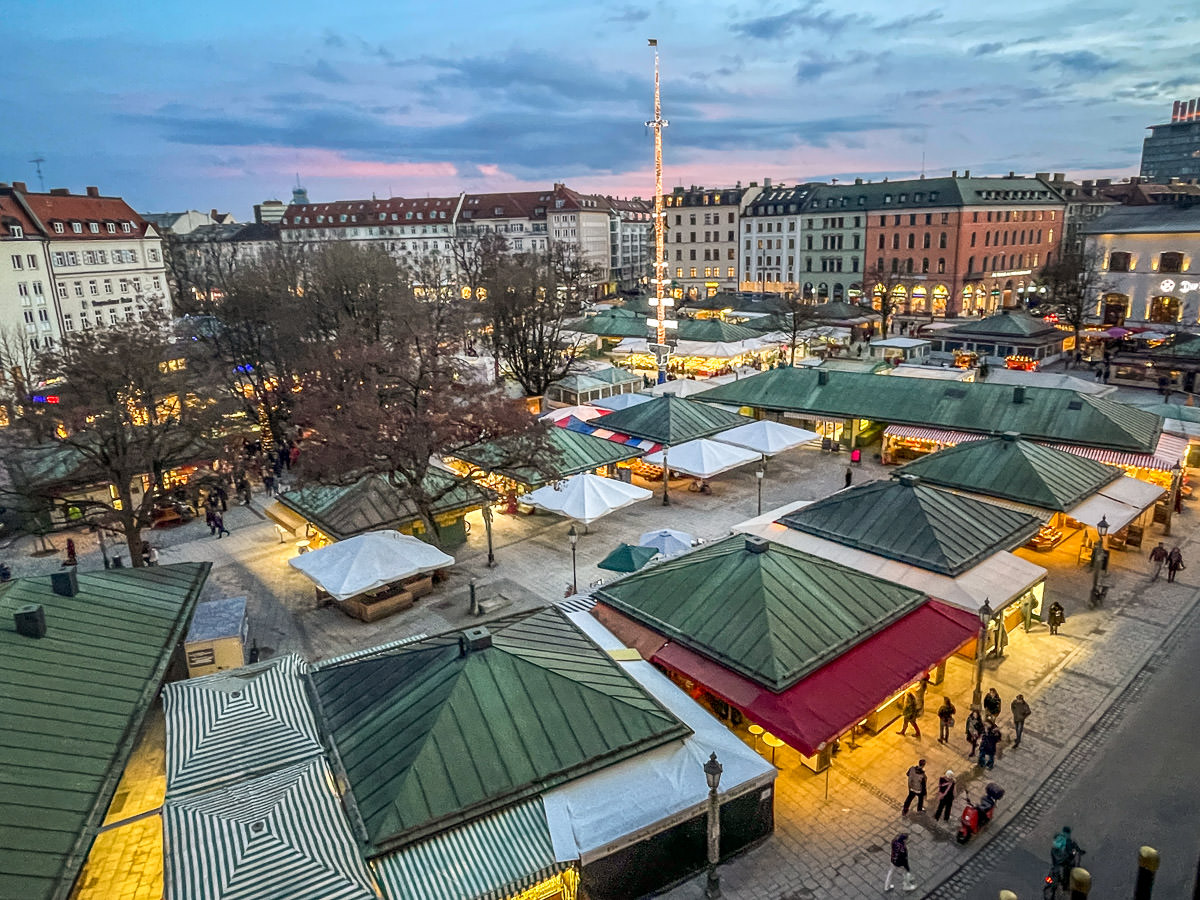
pixel 671 420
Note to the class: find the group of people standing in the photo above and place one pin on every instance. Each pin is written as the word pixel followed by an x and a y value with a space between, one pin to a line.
pixel 1173 559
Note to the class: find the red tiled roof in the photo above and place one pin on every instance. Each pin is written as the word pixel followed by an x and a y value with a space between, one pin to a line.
pixel 85 209
pixel 11 213
pixel 520 205
pixel 367 212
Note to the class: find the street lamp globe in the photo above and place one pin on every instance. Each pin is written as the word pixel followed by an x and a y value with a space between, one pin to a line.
pixel 1102 526
pixel 572 535
pixel 712 772
pixel 985 614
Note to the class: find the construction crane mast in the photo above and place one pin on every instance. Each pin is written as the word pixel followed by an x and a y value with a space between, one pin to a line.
pixel 660 322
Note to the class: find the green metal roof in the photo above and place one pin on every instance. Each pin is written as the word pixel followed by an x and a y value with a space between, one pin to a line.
pixel 1051 414
pixel 613 323
pixel 915 524
pixel 72 705
pixel 773 616
pixel 627 558
pixel 1176 411
pixel 615 375
pixel 672 420
pixel 1005 323
pixel 713 331
pixel 430 736
pixel 1183 346
pixel 565 453
pixel 1015 470
pixel 373 502
pixel 839 311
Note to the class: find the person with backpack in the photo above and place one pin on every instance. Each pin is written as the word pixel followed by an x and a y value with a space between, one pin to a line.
pixel 916 787
pixel 945 716
pixel 899 859
pixel 1064 855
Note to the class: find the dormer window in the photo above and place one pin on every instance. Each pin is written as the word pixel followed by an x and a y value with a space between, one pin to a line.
pixel 127 227
pixel 499 210
pixel 77 227
pixel 58 227
pixel 94 227
pixel 111 227
pixel 16 231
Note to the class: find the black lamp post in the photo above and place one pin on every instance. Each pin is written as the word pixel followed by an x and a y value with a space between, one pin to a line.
pixel 573 536
pixel 985 616
pixel 1099 562
pixel 712 773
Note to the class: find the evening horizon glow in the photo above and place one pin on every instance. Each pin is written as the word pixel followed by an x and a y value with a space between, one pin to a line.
pixel 223 105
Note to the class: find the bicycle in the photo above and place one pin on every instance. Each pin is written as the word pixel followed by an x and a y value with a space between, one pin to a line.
pixel 1059 876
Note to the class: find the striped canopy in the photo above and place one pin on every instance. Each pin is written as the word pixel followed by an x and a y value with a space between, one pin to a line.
pixel 487 859
pixel 231 726
pixel 281 835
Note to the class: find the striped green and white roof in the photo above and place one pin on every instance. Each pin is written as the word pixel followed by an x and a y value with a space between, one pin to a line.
pixel 282 835
pixel 234 725
pixel 507 851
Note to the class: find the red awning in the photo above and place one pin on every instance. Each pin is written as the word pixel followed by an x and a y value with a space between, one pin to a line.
pixel 843 692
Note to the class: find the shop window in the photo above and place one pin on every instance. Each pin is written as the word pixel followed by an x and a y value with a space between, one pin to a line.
pixel 1164 309
pixel 1171 263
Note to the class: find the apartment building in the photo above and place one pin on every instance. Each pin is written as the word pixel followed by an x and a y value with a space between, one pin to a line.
pixel 702 227
pixel 631 241
pixel 75 262
pixel 770 242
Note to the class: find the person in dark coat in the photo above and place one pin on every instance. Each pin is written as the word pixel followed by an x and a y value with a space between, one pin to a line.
pixel 946 788
pixel 1158 556
pixel 917 786
pixel 849 476
pixel 1020 712
pixel 909 712
pixel 1055 617
pixel 988 744
pixel 219 525
pixel 1174 563
pixel 945 715
pixel 210 517
pixel 992 704
pixel 899 860
pixel 974 728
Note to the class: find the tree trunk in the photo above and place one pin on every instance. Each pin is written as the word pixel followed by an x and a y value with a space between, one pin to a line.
pixel 129 527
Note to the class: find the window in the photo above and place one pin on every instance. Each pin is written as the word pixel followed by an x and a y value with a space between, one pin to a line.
pixel 1171 263
pixel 77 227
pixel 68 322
pixel 679 273
pixel 912 241
pixel 1119 261
pixel 93 288
pixel 928 218
pixel 43 315
pixel 895 242
pixel 972 239
pixel 111 227
pixel 62 290
pixel 693 271
pixel 158 281
pixel 942 241
pixel 881 241
pixel 23 289
pixel 31 261
pixel 153 255
pixel 912 219
pixel 941 267
pixel 58 227
pixel 29 317
pixel 37 290
pixel 94 227
pixel 108 286
pixel 925 265
pixel 78 285
pixel 925 241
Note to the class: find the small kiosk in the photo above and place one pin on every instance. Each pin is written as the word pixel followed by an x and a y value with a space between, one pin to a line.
pixel 217 639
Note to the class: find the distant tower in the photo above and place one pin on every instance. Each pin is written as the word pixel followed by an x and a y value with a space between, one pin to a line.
pixel 660 322
pixel 299 194
pixel 37 162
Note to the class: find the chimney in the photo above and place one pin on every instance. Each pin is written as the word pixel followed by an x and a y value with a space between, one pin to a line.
pixel 212 214
pixel 858 181
pixel 966 173
pixel 93 191
pixel 65 584
pixel 1019 394
pixel 474 639
pixel 822 376
pixel 954 173
pixel 1060 176
pixel 910 480
pixel 1042 176
pixel 766 184
pixel 1012 174
pixel 61 192
pixel 1191 113
pixel 19 187
pixel 1175 111
pixel 30 620
pixel 1011 436
pixel 756 544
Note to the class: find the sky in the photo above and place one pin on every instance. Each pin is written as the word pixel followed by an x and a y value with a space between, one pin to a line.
pixel 219 104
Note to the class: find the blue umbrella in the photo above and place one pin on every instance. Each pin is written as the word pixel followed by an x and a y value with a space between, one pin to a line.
pixel 667 541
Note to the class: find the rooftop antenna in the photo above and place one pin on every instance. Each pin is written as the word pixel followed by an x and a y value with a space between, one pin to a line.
pixel 662 350
pixel 37 161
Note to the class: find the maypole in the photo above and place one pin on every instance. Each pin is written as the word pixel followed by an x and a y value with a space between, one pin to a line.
pixel 660 322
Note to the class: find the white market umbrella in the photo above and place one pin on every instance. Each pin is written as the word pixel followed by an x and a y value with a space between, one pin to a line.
pixel 621 401
pixel 368 561
pixel 703 458
pixel 766 437
pixel 667 541
pixel 587 497
pixel 681 387
pixel 582 413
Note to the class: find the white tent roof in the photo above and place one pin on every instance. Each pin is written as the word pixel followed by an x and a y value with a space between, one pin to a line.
pixel 368 561
pixel 704 458
pixel 999 579
pixel 586 497
pixel 767 437
pixel 661 786
pixel 667 541
pixel 582 413
pixel 1118 503
pixel 682 387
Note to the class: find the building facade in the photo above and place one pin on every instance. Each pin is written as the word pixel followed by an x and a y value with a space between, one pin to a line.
pixel 631 241
pixel 833 240
pixel 1172 150
pixel 98 264
pixel 702 238
pixel 770 229
pixel 1150 260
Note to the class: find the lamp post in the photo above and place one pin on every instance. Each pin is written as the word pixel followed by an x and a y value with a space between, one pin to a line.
pixel 1099 562
pixel 985 616
pixel 759 474
pixel 573 536
pixel 712 773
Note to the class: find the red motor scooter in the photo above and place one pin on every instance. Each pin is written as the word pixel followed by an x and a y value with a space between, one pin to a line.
pixel 976 815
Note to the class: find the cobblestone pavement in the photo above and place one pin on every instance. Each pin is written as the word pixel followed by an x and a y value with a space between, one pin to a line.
pixel 832 830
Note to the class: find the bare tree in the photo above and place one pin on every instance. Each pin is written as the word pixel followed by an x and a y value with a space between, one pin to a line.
pixel 129 410
pixel 1069 287
pixel 889 306
pixel 573 274
pixel 796 315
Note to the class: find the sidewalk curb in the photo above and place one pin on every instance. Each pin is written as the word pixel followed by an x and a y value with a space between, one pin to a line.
pixel 1026 794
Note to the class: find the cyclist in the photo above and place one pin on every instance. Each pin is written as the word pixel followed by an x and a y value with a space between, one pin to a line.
pixel 1064 853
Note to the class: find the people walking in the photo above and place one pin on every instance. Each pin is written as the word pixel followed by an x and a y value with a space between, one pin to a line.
pixel 916 787
pixel 909 712
pixel 1020 712
pixel 1158 556
pixel 1055 617
pixel 210 516
pixel 1174 563
pixel 849 476
pixel 900 864
pixel 945 716
pixel 219 525
pixel 992 704
pixel 946 788
pixel 988 743
pixel 974 732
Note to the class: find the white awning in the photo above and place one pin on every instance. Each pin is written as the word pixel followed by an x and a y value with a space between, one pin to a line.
pixel 1097 507
pixel 285 517
pixel 1132 491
